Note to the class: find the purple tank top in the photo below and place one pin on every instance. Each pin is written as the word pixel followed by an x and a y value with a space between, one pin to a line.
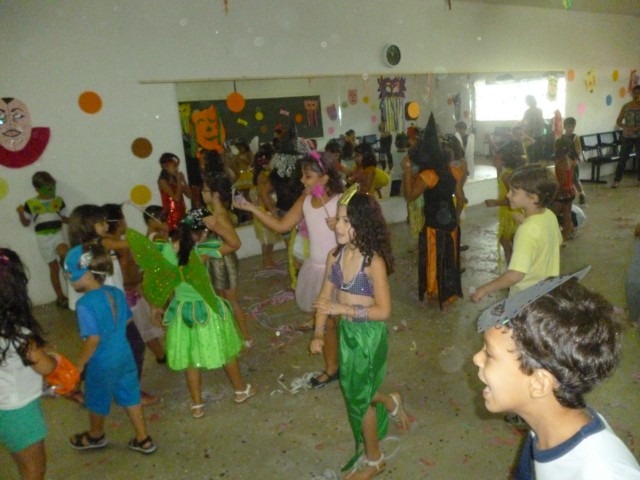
pixel 360 284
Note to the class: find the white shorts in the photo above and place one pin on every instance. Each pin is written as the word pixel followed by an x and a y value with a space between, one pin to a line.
pixel 48 244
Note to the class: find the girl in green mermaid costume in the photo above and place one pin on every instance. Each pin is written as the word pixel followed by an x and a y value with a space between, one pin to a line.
pixel 201 332
pixel 357 277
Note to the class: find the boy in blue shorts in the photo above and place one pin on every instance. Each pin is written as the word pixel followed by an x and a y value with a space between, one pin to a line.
pixel 45 211
pixel 542 353
pixel 105 356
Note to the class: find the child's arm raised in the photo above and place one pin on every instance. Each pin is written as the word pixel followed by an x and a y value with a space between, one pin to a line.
pixel 280 225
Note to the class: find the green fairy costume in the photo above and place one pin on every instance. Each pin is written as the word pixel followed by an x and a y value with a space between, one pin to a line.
pixel 201 331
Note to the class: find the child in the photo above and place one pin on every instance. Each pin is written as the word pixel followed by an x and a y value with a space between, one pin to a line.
pixel 357 279
pixel 173 187
pixel 23 361
pixel 216 194
pixel 155 220
pixel 317 206
pixel 105 356
pixel 566 192
pixel 536 245
pixel 575 154
pixel 201 332
pixel 46 213
pixel 507 159
pixel 632 281
pixel 539 364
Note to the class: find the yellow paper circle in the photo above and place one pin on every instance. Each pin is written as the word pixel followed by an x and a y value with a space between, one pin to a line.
pixel 140 195
pixel 615 75
pixel 141 147
pixel 259 116
pixel 90 102
pixel 413 110
pixel 365 99
pixel 4 188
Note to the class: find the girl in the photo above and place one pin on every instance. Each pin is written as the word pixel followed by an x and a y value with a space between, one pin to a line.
pixel 357 278
pixel 364 173
pixel 173 187
pixel 566 190
pixel 105 356
pixel 223 272
pixel 317 206
pixel 23 362
pixel 201 332
pixel 507 159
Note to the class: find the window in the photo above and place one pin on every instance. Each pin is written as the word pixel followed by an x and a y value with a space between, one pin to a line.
pixel 504 100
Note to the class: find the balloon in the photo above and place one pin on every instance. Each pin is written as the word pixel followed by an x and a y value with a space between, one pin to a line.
pixel 64 377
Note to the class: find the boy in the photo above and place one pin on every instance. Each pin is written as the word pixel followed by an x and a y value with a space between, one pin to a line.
pixel 629 121
pixel 536 244
pixel 569 128
pixel 539 363
pixel 105 356
pixel 45 211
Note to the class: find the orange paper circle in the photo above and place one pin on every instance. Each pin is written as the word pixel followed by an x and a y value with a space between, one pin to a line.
pixel 264 129
pixel 140 195
pixel 141 147
pixel 90 102
pixel 413 110
pixel 235 102
pixel 623 92
pixel 571 75
pixel 298 118
pixel 4 188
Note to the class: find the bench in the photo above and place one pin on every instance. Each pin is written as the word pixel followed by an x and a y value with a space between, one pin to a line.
pixel 601 148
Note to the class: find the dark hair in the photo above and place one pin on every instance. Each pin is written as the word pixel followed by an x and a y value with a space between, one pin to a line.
pixel 18 326
pixel 154 212
pixel 563 147
pixel 261 160
pixel 461 125
pixel 350 132
pixel 368 157
pixel 213 163
pixel 42 179
pixel 191 223
pixel 113 214
pixel 573 333
pixel 222 185
pixel 512 154
pixel 333 146
pixel 451 141
pixel 371 233
pixel 241 142
pixel 81 224
pixel 636 87
pixel 402 141
pixel 324 166
pixel 101 264
pixel 569 121
pixel 168 157
pixel 536 180
pixel 347 150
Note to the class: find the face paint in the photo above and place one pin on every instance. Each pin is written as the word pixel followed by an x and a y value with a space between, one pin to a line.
pixel 47 191
pixel 15 125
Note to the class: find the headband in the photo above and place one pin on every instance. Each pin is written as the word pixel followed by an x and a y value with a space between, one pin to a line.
pixel 348 194
pixel 316 156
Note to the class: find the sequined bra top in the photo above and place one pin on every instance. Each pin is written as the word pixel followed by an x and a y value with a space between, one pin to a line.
pixel 360 284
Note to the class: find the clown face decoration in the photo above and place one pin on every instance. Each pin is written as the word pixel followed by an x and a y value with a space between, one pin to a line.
pixel 20 144
pixel 210 133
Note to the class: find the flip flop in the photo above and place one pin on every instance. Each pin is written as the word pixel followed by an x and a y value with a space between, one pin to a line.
pixel 315 383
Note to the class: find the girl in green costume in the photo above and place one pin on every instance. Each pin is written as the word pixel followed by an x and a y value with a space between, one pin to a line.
pixel 357 277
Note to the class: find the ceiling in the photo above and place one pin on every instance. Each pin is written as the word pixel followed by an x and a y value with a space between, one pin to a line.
pixel 620 7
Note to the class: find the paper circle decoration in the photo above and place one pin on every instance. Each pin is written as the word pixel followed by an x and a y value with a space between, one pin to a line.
pixel 412 111
pixel 140 195
pixel 374 119
pixel 235 102
pixel 622 92
pixel 615 75
pixel 582 107
pixel 259 116
pixel 90 102
pixel 264 129
pixel 344 104
pixel 608 100
pixel 571 75
pixel 4 188
pixel 365 99
pixel 331 130
pixel 141 147
pixel 298 118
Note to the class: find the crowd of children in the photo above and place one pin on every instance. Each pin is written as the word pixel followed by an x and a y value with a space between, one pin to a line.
pixel 179 281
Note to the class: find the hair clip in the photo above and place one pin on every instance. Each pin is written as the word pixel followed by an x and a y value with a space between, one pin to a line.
pixel 502 312
pixel 348 194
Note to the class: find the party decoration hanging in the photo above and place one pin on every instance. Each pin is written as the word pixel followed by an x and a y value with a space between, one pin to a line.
pixel 552 88
pixel 20 143
pixel 590 80
pixel 392 95
pixel 352 95
pixel 235 102
pixel 311 108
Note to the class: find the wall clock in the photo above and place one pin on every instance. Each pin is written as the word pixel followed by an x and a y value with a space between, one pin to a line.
pixel 392 55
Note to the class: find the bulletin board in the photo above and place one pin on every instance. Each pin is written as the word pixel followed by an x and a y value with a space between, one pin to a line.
pixel 260 116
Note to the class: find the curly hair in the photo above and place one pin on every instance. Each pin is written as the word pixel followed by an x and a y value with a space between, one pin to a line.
pixel 512 154
pixel 82 224
pixel 368 156
pixel 18 326
pixel 572 333
pixel 323 165
pixel 371 234
pixel 536 180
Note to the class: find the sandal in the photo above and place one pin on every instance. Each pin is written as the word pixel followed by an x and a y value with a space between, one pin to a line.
pixel 62 302
pixel 378 464
pixel 317 383
pixel 84 441
pixel 145 445
pixel 244 395
pixel 398 414
pixel 197 411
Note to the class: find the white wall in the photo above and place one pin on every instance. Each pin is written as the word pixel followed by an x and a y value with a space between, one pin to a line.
pixel 54 50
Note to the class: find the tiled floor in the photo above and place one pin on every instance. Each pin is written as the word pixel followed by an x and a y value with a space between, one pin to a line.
pixel 279 435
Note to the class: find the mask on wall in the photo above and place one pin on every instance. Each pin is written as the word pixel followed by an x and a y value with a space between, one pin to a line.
pixel 332 112
pixel 210 132
pixel 590 81
pixel 392 93
pixel 552 88
pixel 20 144
pixel 352 96
pixel 311 107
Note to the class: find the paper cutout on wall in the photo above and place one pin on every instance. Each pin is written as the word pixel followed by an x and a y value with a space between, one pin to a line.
pixel 259 115
pixel 392 92
pixel 615 75
pixel 235 102
pixel 608 100
pixel 141 147
pixel 622 92
pixel 552 88
pixel 4 188
pixel 412 111
pixel 311 108
pixel 140 195
pixel 210 133
pixel 590 80
pixel 20 143
pixel 352 95
pixel 90 102
pixel 571 75
pixel 332 112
